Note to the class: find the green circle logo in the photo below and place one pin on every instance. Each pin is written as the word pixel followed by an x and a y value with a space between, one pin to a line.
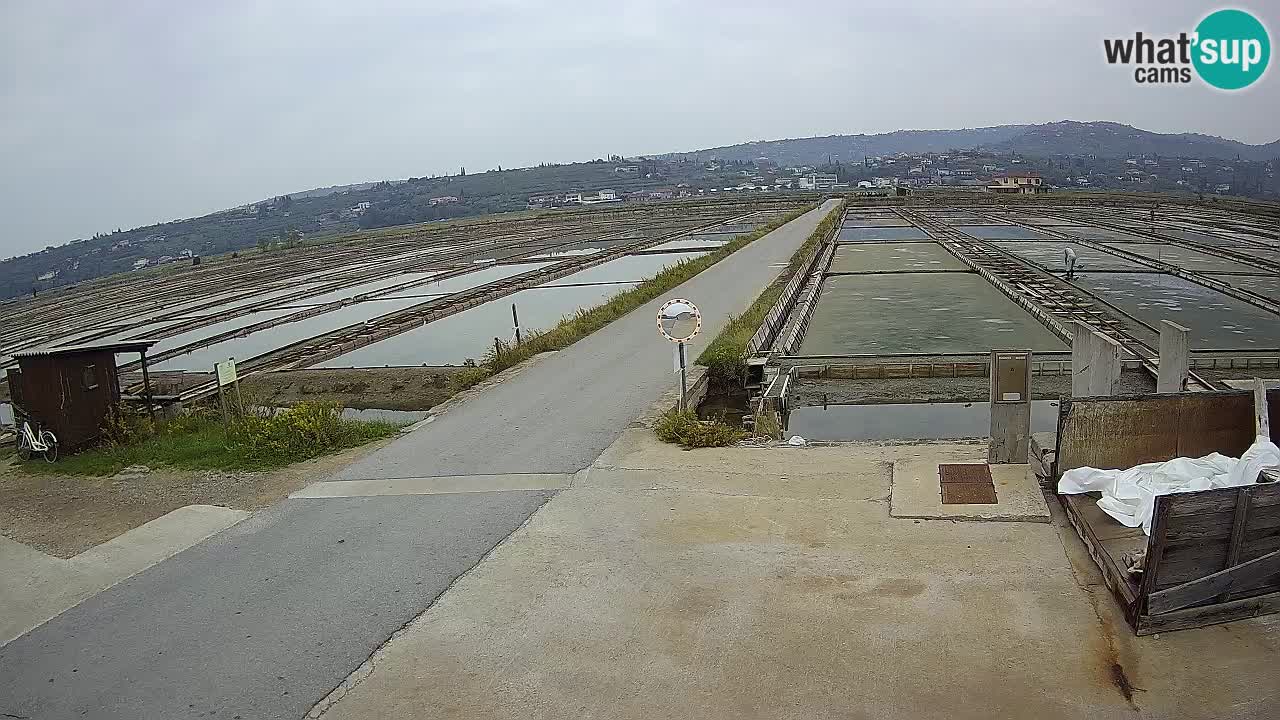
pixel 1231 49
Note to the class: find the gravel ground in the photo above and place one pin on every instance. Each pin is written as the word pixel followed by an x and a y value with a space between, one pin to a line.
pixel 64 515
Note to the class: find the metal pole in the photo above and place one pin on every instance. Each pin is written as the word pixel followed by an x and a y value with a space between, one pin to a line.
pixel 515 319
pixel 683 380
pixel 146 387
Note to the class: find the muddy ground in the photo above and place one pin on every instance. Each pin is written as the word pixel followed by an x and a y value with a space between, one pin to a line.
pixel 416 388
pixel 809 392
pixel 64 515
pixel 397 388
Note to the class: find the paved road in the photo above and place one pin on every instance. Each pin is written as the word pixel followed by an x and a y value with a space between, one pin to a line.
pixel 264 619
pixel 558 416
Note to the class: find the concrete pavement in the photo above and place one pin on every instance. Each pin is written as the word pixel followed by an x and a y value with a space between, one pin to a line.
pixel 263 620
pixel 38 587
pixel 774 583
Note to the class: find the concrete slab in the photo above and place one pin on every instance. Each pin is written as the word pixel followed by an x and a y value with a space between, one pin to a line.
pixel 39 587
pixel 919 313
pixel 916 493
pixel 773 582
pixel 435 485
pixel 298 595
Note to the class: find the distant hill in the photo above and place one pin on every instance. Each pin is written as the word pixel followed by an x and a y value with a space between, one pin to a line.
pixel 1104 139
pixel 846 148
pixel 1108 139
pixel 348 208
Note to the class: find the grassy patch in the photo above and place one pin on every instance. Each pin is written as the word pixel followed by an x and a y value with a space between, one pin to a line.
pixel 577 326
pixel 723 357
pixel 686 430
pixel 199 441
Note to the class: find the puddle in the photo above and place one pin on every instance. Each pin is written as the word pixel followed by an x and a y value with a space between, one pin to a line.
pixel 918 421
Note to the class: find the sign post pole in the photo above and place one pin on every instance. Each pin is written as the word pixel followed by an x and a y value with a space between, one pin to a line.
pixel 225 374
pixel 222 398
pixel 684 379
pixel 679 321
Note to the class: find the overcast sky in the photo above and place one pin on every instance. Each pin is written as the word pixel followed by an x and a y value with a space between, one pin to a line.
pixel 119 114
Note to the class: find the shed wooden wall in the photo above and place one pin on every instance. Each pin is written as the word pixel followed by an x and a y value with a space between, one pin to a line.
pixel 53 392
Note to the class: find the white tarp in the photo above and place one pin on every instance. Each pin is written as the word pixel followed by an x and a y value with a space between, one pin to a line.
pixel 1129 496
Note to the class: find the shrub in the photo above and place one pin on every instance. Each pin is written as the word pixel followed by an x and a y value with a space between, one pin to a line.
pixel 303 431
pixel 686 430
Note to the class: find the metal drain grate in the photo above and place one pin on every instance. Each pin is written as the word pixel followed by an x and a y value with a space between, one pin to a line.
pixel 965 473
pixel 966 484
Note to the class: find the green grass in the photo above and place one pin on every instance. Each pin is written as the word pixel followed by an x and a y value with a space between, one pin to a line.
pixel 200 442
pixel 685 429
pixel 575 327
pixel 724 356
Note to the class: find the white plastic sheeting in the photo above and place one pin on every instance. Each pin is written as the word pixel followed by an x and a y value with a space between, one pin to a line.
pixel 1129 496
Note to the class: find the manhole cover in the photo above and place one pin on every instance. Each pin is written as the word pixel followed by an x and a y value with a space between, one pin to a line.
pixel 962 493
pixel 965 473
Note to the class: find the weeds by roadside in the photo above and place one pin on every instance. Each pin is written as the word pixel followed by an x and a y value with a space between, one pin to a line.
pixel 686 430
pixel 261 439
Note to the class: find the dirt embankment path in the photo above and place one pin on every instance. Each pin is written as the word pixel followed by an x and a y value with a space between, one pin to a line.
pixel 417 388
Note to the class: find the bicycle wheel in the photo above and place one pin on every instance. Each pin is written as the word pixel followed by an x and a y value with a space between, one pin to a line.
pixel 51 443
pixel 24 452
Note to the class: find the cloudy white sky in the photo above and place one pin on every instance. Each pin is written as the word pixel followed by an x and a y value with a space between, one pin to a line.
pixel 117 114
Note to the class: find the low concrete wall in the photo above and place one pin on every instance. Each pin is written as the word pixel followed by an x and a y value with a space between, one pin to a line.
pixel 699 382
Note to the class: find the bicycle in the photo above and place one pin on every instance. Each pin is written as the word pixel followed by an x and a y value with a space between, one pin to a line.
pixel 31 442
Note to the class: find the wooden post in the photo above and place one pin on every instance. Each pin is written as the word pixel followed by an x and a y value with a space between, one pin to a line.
pixel 222 397
pixel 1095 363
pixel 146 387
pixel 1172 375
pixel 1260 419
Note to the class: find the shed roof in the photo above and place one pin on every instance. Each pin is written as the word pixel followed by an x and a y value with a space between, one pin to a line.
pixel 64 350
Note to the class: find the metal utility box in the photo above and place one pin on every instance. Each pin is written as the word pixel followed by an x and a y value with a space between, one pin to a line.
pixel 1010 376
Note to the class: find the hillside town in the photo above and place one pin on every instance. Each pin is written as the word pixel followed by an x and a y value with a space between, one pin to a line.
pixel 977 171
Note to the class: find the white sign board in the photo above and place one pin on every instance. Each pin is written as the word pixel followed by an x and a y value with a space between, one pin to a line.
pixel 226 371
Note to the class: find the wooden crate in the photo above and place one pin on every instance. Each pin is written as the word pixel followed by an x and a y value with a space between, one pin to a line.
pixel 1213 556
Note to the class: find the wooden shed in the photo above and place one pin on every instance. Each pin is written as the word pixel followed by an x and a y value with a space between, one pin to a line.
pixel 70 390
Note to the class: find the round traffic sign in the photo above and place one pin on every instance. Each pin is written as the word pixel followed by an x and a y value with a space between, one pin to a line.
pixel 679 320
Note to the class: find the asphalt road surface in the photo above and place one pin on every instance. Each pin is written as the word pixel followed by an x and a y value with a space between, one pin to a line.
pixel 264 619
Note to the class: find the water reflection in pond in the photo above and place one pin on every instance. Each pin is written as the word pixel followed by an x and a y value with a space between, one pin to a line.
pixel 917 421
